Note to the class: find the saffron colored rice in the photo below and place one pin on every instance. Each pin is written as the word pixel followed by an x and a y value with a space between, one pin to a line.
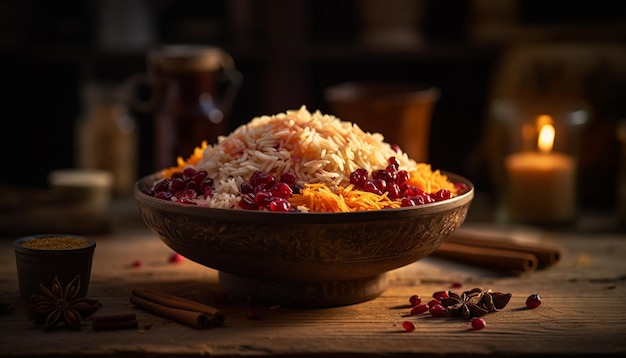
pixel 319 149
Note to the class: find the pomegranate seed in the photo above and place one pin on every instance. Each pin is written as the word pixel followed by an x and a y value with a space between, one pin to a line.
pixel 533 301
pixel 176 258
pixel 415 300
pixel 442 194
pixel 380 184
pixel 192 185
pixel 394 190
pixel 162 186
pixel 393 163
pixel 419 309
pixel 164 195
pixel 280 204
pixel 478 323
pixel 262 198
pixel 136 264
pixel 406 202
pixel 460 187
pixel 260 178
pixel 408 326
pixel 288 178
pixel 392 173
pixel 371 187
pixel 433 302
pixel 428 199
pixel 281 190
pixel 206 183
pixel 177 185
pixel 190 194
pixel 246 188
pixel 409 191
pixel 456 284
pixel 440 294
pixel 189 172
pixel 437 310
pixel 358 178
pixel 247 202
pixel 255 178
pixel 200 175
pixel 419 200
pixel 402 177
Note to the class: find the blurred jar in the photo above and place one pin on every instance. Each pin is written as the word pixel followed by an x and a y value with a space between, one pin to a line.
pixel 400 111
pixel 193 89
pixel 106 134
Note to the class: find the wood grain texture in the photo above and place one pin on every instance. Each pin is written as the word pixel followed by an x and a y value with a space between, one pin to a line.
pixel 582 313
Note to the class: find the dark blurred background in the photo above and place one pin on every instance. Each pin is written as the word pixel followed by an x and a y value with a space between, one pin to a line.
pixel 289 51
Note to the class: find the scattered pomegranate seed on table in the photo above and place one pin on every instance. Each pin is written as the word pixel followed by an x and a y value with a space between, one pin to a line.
pixel 440 294
pixel 176 258
pixel 478 323
pixel 408 326
pixel 137 264
pixel 533 301
pixel 419 309
pixel 415 300
pixel 437 310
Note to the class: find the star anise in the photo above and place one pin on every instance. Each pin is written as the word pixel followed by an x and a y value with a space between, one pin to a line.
pixel 474 303
pixel 59 304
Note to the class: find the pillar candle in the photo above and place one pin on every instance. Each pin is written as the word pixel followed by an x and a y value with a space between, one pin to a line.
pixel 541 185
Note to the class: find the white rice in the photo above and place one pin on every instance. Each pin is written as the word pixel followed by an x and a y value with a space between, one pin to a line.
pixel 315 147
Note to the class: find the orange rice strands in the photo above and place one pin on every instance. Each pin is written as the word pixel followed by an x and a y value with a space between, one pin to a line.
pixel 193 159
pixel 320 198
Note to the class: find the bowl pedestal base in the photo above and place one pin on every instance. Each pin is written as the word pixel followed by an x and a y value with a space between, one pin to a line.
pixel 304 294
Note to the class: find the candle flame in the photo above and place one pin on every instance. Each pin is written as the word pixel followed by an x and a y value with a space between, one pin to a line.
pixel 542 120
pixel 546 138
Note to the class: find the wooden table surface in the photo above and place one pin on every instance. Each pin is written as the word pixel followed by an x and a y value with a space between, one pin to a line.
pixel 583 310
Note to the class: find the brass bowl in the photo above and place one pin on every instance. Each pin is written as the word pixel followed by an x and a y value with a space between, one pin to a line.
pixel 303 259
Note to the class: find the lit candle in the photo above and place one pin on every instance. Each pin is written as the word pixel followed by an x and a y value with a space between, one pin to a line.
pixel 541 183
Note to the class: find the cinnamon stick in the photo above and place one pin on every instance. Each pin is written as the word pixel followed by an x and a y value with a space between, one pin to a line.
pixel 177 308
pixel 190 318
pixel 546 255
pixel 508 260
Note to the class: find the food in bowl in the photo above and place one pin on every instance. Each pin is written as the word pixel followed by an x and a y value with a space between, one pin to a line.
pixel 303 162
